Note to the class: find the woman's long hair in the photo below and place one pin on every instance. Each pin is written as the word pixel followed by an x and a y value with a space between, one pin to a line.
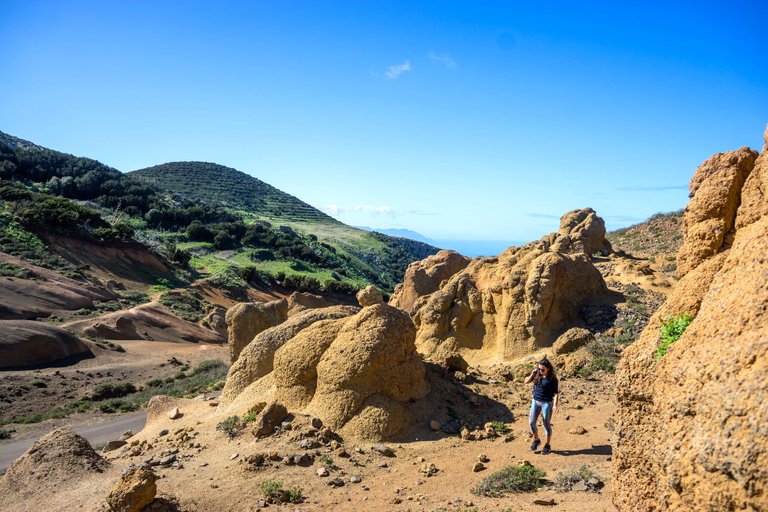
pixel 550 374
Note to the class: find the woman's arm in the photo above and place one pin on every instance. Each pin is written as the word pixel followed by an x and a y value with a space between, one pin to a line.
pixel 556 402
pixel 529 378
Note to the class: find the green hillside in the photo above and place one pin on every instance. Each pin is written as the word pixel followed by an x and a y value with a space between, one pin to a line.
pixel 231 188
pixel 378 258
pixel 244 233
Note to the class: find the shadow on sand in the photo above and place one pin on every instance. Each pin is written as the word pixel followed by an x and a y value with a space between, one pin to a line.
pixel 600 449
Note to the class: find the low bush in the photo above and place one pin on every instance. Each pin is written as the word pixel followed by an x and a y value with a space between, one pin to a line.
pixel 523 478
pixel 274 492
pixel 232 426
pixel 672 328
pixel 117 390
pixel 187 304
pixel 11 270
pixel 565 480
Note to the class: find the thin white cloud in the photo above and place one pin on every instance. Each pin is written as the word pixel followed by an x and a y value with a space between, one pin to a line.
pixel 370 209
pixel 395 71
pixel 444 59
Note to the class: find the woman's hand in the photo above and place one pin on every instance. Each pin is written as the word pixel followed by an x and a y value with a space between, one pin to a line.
pixel 555 408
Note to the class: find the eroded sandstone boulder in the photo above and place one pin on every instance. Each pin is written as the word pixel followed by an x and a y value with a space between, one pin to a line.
pixel 505 307
pixel 425 277
pixel 135 490
pixel 256 359
pixel 367 372
pixel 571 340
pixel 690 430
pixel 587 230
pixel 248 319
pixel 302 301
pixel 216 320
pixel 715 195
pixel 369 296
pixel 355 374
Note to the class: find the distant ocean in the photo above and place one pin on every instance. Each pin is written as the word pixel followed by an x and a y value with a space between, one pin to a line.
pixel 471 248
pixel 475 248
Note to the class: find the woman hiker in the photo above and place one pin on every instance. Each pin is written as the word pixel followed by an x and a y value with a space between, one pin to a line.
pixel 545 397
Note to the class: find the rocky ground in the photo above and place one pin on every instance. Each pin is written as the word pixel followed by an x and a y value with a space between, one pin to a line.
pixel 202 468
pixel 471 425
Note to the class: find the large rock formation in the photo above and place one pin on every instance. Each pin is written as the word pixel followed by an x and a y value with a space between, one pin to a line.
pixel 587 230
pixel 505 307
pixel 425 277
pixel 24 343
pixel 255 360
pixel 355 373
pixel 691 433
pixel 248 319
pixel 715 195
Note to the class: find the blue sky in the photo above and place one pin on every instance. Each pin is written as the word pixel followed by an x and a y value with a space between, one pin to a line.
pixel 461 120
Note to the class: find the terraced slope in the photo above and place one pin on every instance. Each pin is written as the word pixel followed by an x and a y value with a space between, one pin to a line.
pixel 231 188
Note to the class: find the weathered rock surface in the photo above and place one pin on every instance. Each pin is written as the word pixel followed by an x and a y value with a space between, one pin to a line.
pixel 425 277
pixel 505 307
pixel 256 359
pixel 367 372
pixel 690 430
pixel 353 373
pixel 302 301
pixel 587 230
pixel 25 343
pixel 216 320
pixel 268 419
pixel 571 340
pixel 135 490
pixel 247 320
pixel 715 195
pixel 369 296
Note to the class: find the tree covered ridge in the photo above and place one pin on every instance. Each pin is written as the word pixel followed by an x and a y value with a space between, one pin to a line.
pixel 229 187
pixel 45 190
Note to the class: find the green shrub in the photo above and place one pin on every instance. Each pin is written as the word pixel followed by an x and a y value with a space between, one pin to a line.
pixel 565 480
pixel 11 270
pixel 499 427
pixel 39 384
pixel 273 491
pixel 119 389
pixel 5 433
pixel 671 329
pixel 117 405
pixel 510 479
pixel 161 285
pixel 231 426
pixel 326 460
pixel 187 304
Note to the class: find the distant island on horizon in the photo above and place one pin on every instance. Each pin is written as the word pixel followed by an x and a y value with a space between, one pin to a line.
pixel 470 248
